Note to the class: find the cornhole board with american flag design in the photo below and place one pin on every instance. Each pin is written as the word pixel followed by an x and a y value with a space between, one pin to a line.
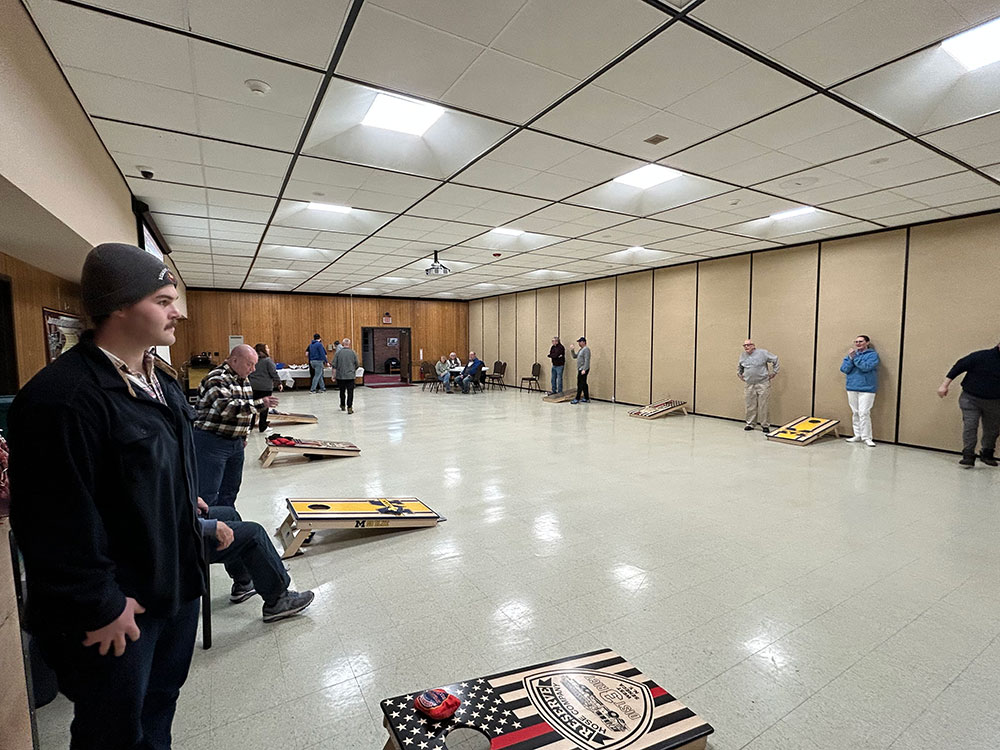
pixel 804 430
pixel 307 447
pixel 306 516
pixel 593 701
pixel 277 418
pixel 659 409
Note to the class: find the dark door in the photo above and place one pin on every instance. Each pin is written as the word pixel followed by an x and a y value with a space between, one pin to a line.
pixel 404 355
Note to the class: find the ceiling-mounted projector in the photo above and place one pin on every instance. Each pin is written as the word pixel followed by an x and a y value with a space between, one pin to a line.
pixel 436 268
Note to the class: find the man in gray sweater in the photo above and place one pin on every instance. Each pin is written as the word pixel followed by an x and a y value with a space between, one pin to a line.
pixel 582 358
pixel 752 370
pixel 345 364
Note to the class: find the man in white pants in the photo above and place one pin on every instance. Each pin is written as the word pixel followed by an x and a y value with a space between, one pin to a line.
pixel 752 370
pixel 860 366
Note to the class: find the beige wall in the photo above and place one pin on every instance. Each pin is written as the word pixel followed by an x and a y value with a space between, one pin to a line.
pixel 633 338
pixel 782 320
pixel 508 335
pixel 805 304
pixel 723 320
pixel 491 331
pixel 860 292
pixel 675 291
pixel 951 310
pixel 475 329
pixel 526 316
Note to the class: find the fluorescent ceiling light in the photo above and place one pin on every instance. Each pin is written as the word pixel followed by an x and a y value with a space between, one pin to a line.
pixel 800 211
pixel 648 176
pixel 976 47
pixel 637 248
pixel 507 231
pixel 402 115
pixel 330 207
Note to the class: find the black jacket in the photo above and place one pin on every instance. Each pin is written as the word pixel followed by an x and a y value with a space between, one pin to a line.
pixel 103 494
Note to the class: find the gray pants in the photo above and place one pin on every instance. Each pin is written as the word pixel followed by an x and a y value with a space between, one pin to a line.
pixel 975 409
pixel 757 395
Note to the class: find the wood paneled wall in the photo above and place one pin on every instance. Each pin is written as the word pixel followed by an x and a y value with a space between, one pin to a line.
pixel 287 322
pixel 34 289
pixel 925 295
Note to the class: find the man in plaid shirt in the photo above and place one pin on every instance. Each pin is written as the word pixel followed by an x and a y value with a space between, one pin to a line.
pixel 226 409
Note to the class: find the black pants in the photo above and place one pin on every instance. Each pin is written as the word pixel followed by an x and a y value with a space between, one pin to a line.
pixel 346 392
pixel 581 385
pixel 262 414
pixel 250 557
pixel 974 410
pixel 125 702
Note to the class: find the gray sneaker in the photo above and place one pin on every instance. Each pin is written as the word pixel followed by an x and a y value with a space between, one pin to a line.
pixel 241 592
pixel 288 605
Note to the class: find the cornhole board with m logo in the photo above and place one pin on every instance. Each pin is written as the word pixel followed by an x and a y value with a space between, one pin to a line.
pixel 804 430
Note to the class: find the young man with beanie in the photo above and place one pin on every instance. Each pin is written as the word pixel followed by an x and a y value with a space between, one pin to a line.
pixel 316 353
pixel 582 358
pixel 103 489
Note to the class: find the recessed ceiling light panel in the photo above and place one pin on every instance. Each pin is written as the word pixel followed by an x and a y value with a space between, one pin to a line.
pixel 792 212
pixel 648 176
pixel 508 231
pixel 330 207
pixel 401 115
pixel 976 47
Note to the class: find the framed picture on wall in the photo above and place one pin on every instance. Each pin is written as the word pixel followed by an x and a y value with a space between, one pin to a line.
pixel 392 341
pixel 62 332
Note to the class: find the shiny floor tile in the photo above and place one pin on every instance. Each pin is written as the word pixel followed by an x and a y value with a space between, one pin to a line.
pixel 797 598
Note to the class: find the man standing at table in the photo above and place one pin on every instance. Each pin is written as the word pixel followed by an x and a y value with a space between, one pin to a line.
pixel 752 370
pixel 345 364
pixel 316 353
pixel 226 409
pixel 557 353
pixel 980 401
pixel 102 472
pixel 582 371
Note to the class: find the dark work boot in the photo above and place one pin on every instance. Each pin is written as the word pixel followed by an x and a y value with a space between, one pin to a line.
pixel 988 458
pixel 968 460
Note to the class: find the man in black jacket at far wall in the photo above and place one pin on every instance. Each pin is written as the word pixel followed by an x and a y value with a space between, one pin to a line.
pixel 103 491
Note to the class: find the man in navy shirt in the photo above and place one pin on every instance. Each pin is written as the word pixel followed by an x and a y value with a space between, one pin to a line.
pixel 316 353
pixel 979 402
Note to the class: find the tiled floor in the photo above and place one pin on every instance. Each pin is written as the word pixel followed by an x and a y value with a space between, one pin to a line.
pixel 827 597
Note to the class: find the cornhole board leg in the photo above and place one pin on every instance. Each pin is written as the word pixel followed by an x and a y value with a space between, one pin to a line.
pixel 268 456
pixel 291 537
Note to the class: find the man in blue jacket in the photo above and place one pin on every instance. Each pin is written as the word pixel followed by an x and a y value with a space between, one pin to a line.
pixel 470 373
pixel 103 491
pixel 860 366
pixel 316 353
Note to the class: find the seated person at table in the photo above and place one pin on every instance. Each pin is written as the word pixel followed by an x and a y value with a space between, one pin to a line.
pixel 251 561
pixel 443 373
pixel 471 372
pixel 453 361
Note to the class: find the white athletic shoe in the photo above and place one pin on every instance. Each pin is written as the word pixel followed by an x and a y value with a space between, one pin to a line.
pixel 853 440
pixel 870 443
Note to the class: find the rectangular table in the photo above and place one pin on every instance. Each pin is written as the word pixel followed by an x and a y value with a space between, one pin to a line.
pixel 595 700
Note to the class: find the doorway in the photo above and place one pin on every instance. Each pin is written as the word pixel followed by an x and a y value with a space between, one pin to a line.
pixel 385 353
pixel 8 363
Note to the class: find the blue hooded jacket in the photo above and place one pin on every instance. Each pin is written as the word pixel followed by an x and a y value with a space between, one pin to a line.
pixel 860 371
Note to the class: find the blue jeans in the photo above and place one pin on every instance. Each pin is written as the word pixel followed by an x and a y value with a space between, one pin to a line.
pixel 251 556
pixel 125 701
pixel 220 467
pixel 557 371
pixel 446 379
pixel 317 366
pixel 466 383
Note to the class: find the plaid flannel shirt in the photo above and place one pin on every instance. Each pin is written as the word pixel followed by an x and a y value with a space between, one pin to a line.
pixel 226 405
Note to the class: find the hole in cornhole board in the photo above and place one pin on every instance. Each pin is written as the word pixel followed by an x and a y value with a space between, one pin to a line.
pixel 319 506
pixel 466 738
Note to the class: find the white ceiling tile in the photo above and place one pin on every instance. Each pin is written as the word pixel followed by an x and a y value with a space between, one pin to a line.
pixel 297 214
pixel 388 49
pixel 227 179
pixel 715 155
pixel 759 168
pixel 956 188
pixel 132 139
pixel 894 165
pixel 575 37
pixel 132 101
pixel 970 207
pixel 976 142
pixel 485 87
pixel 640 256
pixel 679 132
pixel 477 20
pixel 615 196
pixel 793 227
pixel 641 232
pixel 593 115
pixel 326 181
pixel 912 217
pixel 248 125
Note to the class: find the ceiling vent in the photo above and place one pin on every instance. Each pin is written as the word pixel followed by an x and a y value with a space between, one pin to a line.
pixel 655 140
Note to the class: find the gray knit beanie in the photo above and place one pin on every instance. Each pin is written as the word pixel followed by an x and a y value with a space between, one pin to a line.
pixel 117 275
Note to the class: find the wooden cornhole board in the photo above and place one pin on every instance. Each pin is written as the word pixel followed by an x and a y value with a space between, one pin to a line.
pixel 804 430
pixel 285 417
pixel 558 398
pixel 590 701
pixel 308 515
pixel 312 447
pixel 659 409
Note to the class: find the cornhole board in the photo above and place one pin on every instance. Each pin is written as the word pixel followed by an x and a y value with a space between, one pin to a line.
pixel 312 447
pixel 804 430
pixel 558 398
pixel 589 701
pixel 660 409
pixel 285 417
pixel 308 515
